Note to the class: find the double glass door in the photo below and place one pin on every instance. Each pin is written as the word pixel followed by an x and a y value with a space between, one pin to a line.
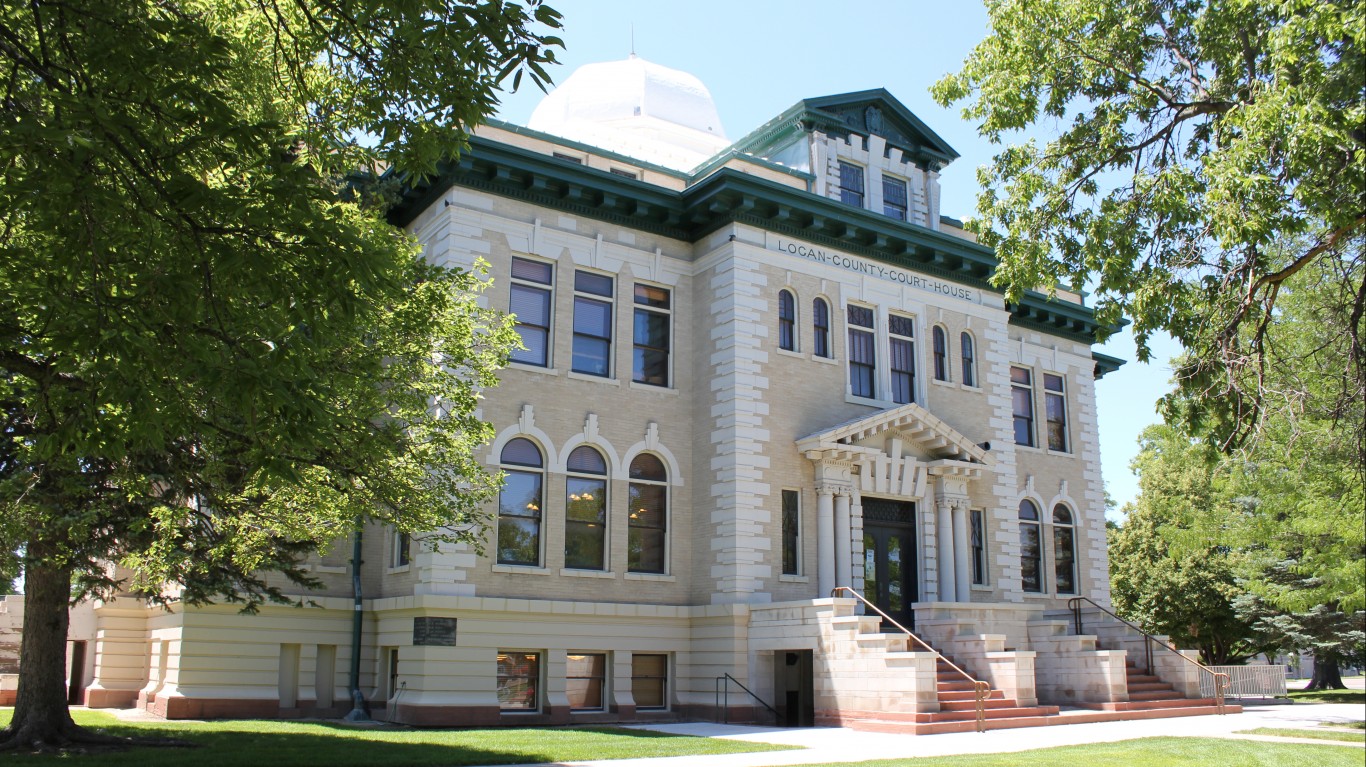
pixel 889 557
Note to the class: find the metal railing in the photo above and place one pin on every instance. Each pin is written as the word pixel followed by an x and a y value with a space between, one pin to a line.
pixel 723 698
pixel 1218 681
pixel 980 689
pixel 1250 681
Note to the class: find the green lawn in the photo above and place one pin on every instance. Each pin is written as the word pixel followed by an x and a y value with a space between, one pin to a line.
pixel 285 743
pixel 1329 696
pixel 1149 752
pixel 1324 734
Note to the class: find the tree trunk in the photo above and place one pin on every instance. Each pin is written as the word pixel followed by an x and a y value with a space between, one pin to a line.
pixel 41 718
pixel 1327 674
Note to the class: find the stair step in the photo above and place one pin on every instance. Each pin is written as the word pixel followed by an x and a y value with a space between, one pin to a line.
pixel 955 686
pixel 1141 678
pixel 1155 695
pixel 954 695
pixel 971 705
pixel 1149 687
pixel 991 713
pixel 1155 705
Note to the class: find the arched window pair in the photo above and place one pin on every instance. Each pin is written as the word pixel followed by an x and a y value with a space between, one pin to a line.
pixel 522 499
pixel 787 324
pixel 1032 549
pixel 940 341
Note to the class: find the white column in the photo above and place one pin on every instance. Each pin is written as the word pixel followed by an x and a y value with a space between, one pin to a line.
pixel 843 537
pixel 825 541
pixel 944 542
pixel 961 557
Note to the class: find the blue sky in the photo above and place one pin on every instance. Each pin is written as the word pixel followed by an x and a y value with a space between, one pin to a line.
pixel 759 57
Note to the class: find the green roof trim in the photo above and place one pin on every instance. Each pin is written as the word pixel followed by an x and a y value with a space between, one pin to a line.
pixel 729 196
pixel 585 148
pixel 1106 364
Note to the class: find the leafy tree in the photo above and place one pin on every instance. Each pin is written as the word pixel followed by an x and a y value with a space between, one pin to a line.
pixel 1185 594
pixel 1194 141
pixel 213 353
pixel 1330 635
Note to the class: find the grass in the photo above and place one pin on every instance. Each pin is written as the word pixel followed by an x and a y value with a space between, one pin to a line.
pixel 1148 752
pixel 1323 734
pixel 1329 696
pixel 285 743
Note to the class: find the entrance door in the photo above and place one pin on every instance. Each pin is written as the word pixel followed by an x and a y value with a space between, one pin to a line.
pixel 889 560
pixel 794 688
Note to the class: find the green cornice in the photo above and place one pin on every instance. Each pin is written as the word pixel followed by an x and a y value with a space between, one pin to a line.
pixel 625 159
pixel 729 196
pixel 1106 364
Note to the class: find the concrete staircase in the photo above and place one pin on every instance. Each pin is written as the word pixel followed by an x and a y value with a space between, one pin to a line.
pixel 1152 698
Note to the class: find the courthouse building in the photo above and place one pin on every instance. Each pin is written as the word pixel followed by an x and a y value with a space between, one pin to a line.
pixel 755 371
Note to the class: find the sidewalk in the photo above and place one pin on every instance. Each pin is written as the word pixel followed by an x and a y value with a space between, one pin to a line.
pixel 832 744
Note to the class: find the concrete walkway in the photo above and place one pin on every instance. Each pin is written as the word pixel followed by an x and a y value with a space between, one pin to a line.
pixel 833 744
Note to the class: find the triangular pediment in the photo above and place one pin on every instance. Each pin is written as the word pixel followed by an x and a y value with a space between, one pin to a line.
pixel 912 423
pixel 877 112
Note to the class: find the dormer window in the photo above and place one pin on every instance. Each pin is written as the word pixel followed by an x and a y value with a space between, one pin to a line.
pixel 894 198
pixel 851 184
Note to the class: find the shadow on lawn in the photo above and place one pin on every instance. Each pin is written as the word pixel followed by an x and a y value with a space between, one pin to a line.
pixel 221 744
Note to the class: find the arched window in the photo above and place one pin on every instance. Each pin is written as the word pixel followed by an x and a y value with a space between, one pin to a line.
pixel 969 359
pixel 519 503
pixel 585 510
pixel 820 322
pixel 648 515
pixel 1031 548
pixel 1064 551
pixel 941 354
pixel 787 320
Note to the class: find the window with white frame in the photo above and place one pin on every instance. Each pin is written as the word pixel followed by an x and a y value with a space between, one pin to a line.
pixel 851 184
pixel 649 681
pixel 1055 409
pixel 901 343
pixel 399 555
pixel 792 549
pixel 1031 548
pixel 1064 551
pixel 940 341
pixel 893 197
pixel 648 516
pixel 787 320
pixel 520 503
pixel 978 541
pixel 585 513
pixel 1022 404
pixel 968 358
pixel 586 681
pixel 531 306
pixel 592 347
pixel 820 324
pixel 519 680
pixel 862 352
pixel 650 363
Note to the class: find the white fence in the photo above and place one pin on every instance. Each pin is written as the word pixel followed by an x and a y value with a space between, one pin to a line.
pixel 1247 681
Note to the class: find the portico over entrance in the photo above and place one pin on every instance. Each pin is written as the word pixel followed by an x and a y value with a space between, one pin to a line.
pixel 894 493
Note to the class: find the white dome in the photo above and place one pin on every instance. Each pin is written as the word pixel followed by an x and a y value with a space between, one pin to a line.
pixel 637 108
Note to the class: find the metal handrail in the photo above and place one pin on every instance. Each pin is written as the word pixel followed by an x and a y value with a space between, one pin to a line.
pixel 980 689
pixel 723 689
pixel 1221 680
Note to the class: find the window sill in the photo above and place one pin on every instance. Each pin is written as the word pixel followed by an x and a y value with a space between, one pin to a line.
pixel 638 386
pixel 1060 453
pixel 325 568
pixel 572 573
pixel 789 353
pixel 658 577
pixel 521 569
pixel 785 578
pixel 869 401
pixel 573 376
pixel 518 712
pixel 395 570
pixel 824 360
pixel 981 587
pixel 938 382
pixel 1028 448
pixel 545 371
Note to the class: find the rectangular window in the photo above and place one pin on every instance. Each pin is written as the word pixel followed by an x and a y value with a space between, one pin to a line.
pixel 400 557
pixel 519 519
pixel 567 158
pixel 650 364
pixel 1022 402
pixel 649 681
pixel 979 547
pixel 623 173
pixel 894 198
pixel 862 352
pixel 592 324
pixel 851 184
pixel 585 681
pixel 1064 564
pixel 585 523
pixel 532 282
pixel 1031 558
pixel 820 324
pixel 791 532
pixel 648 519
pixel 519 681
pixel 1055 408
pixel 901 337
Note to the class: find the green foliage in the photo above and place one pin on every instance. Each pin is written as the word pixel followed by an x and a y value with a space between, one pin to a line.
pixel 214 355
pixel 1185 594
pixel 1193 141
